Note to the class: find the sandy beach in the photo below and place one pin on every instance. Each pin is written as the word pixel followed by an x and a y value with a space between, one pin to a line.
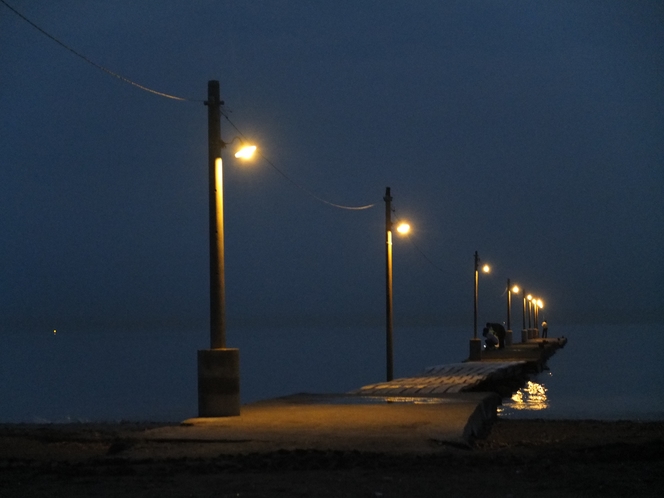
pixel 517 458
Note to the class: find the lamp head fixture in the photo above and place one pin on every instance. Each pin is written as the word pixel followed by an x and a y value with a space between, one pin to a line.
pixel 246 152
pixel 403 228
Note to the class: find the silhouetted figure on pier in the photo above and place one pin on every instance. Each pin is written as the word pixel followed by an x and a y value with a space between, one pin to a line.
pixel 499 330
pixel 491 340
pixel 545 329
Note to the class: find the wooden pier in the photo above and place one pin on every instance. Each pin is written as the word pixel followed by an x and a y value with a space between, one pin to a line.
pixel 499 370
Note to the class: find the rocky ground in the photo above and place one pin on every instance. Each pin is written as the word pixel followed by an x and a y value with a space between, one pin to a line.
pixel 518 458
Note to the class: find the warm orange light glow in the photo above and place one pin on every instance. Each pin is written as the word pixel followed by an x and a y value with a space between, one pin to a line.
pixel 246 152
pixel 486 268
pixel 540 303
pixel 516 289
pixel 403 228
pixel 531 397
pixel 529 297
pixel 219 190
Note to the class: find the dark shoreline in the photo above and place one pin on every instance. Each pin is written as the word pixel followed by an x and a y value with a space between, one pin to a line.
pixel 518 458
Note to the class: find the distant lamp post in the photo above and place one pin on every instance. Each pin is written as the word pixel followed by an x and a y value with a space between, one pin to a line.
pixel 475 342
pixel 529 297
pixel 510 290
pixel 532 309
pixel 537 305
pixel 524 330
pixel 219 366
pixel 533 312
pixel 402 228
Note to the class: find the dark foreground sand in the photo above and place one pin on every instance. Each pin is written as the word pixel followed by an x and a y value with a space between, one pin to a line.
pixel 518 458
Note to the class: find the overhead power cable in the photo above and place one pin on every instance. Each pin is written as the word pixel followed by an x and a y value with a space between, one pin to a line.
pixel 174 97
pixel 98 66
pixel 293 182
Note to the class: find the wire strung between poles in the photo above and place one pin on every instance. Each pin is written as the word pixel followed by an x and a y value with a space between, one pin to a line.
pixel 98 66
pixel 174 97
pixel 293 182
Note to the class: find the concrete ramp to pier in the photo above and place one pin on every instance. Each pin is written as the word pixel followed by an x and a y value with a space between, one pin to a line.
pixel 340 422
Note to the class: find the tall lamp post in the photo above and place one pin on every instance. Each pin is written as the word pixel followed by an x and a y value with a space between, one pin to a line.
pixel 510 289
pixel 219 366
pixel 537 304
pixel 475 342
pixel 530 312
pixel 531 330
pixel 403 228
pixel 524 330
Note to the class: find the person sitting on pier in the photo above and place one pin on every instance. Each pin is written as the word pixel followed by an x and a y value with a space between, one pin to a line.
pixel 499 331
pixel 491 340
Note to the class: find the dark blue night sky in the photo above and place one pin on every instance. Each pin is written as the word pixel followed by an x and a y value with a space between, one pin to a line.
pixel 531 132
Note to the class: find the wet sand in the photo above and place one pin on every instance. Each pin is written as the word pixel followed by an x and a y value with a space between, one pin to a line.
pixel 518 458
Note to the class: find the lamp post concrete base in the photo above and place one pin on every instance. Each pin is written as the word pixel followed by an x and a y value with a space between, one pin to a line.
pixel 508 338
pixel 475 350
pixel 524 335
pixel 219 382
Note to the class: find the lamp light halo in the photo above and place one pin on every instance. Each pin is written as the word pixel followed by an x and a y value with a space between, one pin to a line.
pixel 245 152
pixel 403 228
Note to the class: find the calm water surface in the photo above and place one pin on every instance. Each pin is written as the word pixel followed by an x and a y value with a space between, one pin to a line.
pixel 604 372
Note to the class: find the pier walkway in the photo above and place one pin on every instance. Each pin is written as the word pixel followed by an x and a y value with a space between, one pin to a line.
pixel 497 368
pixel 443 405
pixel 445 379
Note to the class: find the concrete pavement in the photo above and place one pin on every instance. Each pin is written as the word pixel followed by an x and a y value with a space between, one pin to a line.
pixel 341 422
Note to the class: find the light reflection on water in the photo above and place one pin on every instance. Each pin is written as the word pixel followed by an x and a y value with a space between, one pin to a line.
pixel 531 397
pixel 606 372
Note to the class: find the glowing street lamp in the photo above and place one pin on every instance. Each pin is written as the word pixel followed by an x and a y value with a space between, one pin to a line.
pixel 533 310
pixel 537 305
pixel 402 228
pixel 219 366
pixel 524 330
pixel 510 290
pixel 246 152
pixel 534 304
pixel 529 297
pixel 475 343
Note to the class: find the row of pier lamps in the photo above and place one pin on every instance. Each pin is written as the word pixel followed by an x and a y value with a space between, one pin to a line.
pixel 219 366
pixel 531 308
pixel 531 304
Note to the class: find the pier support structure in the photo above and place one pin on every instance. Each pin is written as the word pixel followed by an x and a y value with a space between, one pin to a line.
pixel 475 349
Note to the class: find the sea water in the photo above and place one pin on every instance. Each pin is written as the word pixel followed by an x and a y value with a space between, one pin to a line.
pixel 604 372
